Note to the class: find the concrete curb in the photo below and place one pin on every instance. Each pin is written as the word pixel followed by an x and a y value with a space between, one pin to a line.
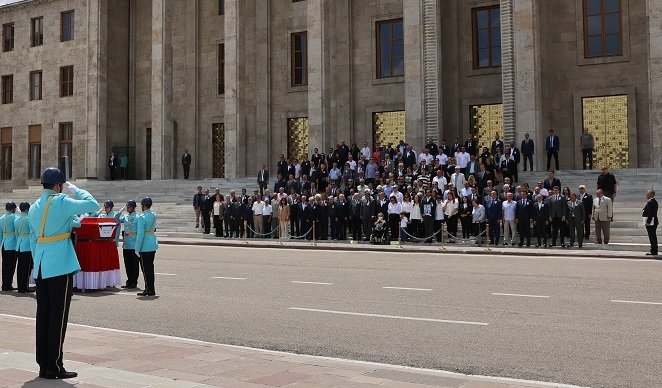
pixel 432 249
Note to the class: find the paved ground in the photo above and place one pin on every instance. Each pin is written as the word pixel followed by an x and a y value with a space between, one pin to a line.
pixel 574 320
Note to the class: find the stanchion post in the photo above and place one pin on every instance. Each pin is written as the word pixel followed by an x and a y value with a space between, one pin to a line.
pixel 441 237
pixel 314 234
pixel 487 234
pixel 245 232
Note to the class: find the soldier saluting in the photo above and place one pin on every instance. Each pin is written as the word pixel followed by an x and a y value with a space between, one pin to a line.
pixel 51 219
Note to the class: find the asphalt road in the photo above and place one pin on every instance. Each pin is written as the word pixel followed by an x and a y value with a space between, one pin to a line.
pixel 559 319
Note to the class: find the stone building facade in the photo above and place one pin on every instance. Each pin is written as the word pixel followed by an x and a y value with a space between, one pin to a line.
pixel 238 82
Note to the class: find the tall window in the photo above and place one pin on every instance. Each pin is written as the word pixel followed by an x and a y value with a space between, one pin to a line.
pixel 67 26
pixel 7 89
pixel 5 153
pixel 390 49
pixel 602 28
pixel 34 151
pixel 66 81
pixel 299 59
pixel 37 31
pixel 7 37
pixel 221 7
pixel 221 68
pixel 66 147
pixel 487 36
pixel 35 85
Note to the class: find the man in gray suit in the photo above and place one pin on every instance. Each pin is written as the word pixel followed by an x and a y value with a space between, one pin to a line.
pixel 603 215
pixel 558 205
pixel 575 219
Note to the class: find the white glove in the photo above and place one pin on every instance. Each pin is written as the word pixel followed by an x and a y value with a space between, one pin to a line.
pixel 137 253
pixel 69 187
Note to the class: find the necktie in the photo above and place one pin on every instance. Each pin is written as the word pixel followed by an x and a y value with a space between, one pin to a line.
pixel 551 142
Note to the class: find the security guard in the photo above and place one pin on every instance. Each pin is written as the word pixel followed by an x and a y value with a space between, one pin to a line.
pixel 131 261
pixel 51 218
pixel 8 247
pixel 146 245
pixel 23 252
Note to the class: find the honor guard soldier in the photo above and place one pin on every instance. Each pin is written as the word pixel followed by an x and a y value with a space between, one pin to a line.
pixel 107 211
pixel 23 252
pixel 8 247
pixel 51 218
pixel 131 261
pixel 146 245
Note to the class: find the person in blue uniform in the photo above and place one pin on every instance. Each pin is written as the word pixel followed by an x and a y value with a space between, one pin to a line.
pixel 146 245
pixel 51 219
pixel 131 261
pixel 8 247
pixel 23 252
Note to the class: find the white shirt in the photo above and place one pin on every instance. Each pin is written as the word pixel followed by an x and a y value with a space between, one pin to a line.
pixel 458 180
pixel 544 192
pixel 440 182
pixel 398 196
pixel 442 158
pixel 217 208
pixel 439 211
pixel 463 159
pixel 258 207
pixel 406 207
pixel 465 192
pixel 297 170
pixel 365 151
pixel 427 157
pixel 416 212
pixel 352 164
pixel 266 210
pixel 508 210
pixel 451 207
pixel 403 222
pixel 394 208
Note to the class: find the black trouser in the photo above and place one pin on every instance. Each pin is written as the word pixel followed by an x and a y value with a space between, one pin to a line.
pixel 294 227
pixel 451 226
pixel 232 227
pixel 576 231
pixel 147 265
pixel 478 231
pixel 132 267
pixel 305 227
pixel 53 301
pixel 367 227
pixel 587 225
pixel 356 228
pixel 541 232
pixel 437 228
pixel 187 169
pixel 8 269
pixel 266 222
pixel 218 225
pixel 555 155
pixel 341 231
pixel 495 231
pixel 23 270
pixel 415 228
pixel 206 221
pixel 652 237
pixel 227 226
pixel 428 227
pixel 557 228
pixel 394 227
pixel 466 226
pixel 248 226
pixel 524 230
pixel 587 156
pixel 530 159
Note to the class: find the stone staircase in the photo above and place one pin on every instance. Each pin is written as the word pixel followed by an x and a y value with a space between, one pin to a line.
pixel 173 198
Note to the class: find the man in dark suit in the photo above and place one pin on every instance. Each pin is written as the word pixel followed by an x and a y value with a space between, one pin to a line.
pixel 587 200
pixel 516 155
pixel 575 217
pixel 509 168
pixel 456 146
pixel 523 217
pixel 557 210
pixel 482 178
pixel 651 221
pixel 496 144
pixel 551 181
pixel 282 166
pixel 263 179
pixel 552 146
pixel 305 214
pixel 186 163
pixel 206 207
pixel 540 219
pixel 528 149
pixel 470 145
pixel 444 148
pixel 494 212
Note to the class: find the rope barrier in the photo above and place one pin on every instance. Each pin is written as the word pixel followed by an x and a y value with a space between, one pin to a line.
pixel 303 235
pixel 481 234
pixel 261 234
pixel 420 238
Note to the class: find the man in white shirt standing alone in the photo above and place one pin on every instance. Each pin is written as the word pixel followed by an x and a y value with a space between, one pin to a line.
pixel 509 225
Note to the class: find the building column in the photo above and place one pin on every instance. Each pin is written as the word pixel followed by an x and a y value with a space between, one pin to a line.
pixel 92 164
pixel 341 106
pixel 234 127
pixel 527 69
pixel 263 81
pixel 414 78
pixel 318 133
pixel 508 70
pixel 163 147
pixel 655 81
pixel 189 133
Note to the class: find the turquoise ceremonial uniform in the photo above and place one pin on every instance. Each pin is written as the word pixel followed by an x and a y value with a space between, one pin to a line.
pixel 145 238
pixel 52 250
pixel 22 230
pixel 8 235
pixel 130 224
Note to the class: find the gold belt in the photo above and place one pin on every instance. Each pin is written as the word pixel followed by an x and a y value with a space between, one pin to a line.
pixel 57 237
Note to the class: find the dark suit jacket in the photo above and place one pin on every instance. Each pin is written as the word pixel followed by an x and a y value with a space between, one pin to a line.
pixel 493 211
pixel 305 215
pixel 263 176
pixel 496 144
pixel 555 146
pixel 524 211
pixel 509 168
pixel 527 148
pixel 470 147
pixel 557 208
pixel 540 215
pixel 515 154
pixel 650 212
pixel 186 159
pixel 550 185
pixel 445 149
pixel 578 212
pixel 588 205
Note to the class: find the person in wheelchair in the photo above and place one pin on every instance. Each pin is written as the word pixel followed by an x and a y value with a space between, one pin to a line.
pixel 379 231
